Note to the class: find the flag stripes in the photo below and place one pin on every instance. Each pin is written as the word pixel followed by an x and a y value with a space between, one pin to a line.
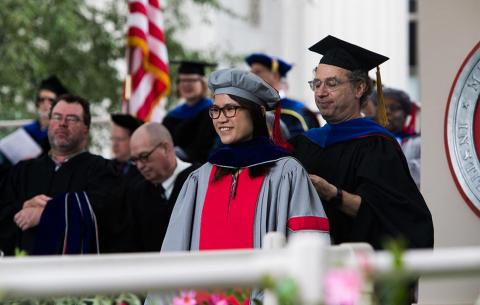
pixel 149 57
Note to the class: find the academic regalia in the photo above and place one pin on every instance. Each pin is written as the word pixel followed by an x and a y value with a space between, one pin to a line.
pixel 192 130
pixel 83 172
pixel 52 84
pixel 411 147
pixel 150 211
pixel 39 135
pixel 361 157
pixel 286 200
pixel 297 117
pixel 294 114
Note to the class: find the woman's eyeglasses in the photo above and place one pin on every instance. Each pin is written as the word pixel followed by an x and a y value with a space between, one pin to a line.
pixel 228 111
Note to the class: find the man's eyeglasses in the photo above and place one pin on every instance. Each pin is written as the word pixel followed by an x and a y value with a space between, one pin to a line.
pixel 69 119
pixel 45 98
pixel 229 111
pixel 143 157
pixel 330 84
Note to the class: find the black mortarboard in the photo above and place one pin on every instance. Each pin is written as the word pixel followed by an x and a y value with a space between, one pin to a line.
pixel 126 121
pixel 339 53
pixel 274 64
pixel 53 84
pixel 192 67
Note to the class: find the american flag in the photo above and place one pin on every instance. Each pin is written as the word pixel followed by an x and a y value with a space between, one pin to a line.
pixel 147 60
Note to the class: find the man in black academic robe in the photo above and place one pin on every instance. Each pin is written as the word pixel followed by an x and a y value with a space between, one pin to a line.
pixel 31 184
pixel 151 201
pixel 357 166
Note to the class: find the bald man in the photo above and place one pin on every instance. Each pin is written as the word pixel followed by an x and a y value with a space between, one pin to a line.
pixel 152 200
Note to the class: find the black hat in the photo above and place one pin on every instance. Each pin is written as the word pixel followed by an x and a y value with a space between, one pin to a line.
pixel 126 121
pixel 274 64
pixel 192 67
pixel 53 84
pixel 337 52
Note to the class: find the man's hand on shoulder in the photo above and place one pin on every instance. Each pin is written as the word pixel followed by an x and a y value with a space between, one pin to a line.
pixel 325 190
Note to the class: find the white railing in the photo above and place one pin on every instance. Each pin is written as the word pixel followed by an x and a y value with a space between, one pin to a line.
pixel 305 259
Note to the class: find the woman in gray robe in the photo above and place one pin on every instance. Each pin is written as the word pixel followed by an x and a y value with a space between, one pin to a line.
pixel 250 186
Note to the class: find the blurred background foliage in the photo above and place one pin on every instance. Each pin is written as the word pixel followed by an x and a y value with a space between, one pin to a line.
pixel 83 44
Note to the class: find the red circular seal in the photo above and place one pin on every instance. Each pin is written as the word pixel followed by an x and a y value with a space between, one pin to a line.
pixel 462 129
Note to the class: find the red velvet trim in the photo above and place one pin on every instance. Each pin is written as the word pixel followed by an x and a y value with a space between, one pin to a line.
pixel 227 219
pixel 309 223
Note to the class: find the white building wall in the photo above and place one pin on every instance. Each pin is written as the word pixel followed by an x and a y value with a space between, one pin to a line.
pixel 287 28
pixel 448 30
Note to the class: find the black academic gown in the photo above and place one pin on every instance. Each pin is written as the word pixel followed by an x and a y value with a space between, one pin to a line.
pixel 374 168
pixel 196 136
pixel 150 212
pixel 83 172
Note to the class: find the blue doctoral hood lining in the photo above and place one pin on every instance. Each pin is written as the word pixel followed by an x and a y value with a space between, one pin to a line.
pixel 185 111
pixel 331 134
pixel 256 151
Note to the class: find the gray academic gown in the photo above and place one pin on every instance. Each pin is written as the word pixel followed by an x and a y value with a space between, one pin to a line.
pixel 287 192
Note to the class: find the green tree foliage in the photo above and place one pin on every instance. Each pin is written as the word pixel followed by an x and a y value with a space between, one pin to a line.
pixel 80 43
pixel 77 42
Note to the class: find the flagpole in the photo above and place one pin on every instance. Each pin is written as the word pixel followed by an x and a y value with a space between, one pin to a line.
pixel 128 79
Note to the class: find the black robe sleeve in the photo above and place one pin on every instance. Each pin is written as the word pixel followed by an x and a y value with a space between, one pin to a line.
pixel 375 169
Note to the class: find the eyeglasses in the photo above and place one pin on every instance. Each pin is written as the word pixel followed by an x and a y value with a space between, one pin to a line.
pixel 229 111
pixel 69 119
pixel 45 98
pixel 331 83
pixel 143 157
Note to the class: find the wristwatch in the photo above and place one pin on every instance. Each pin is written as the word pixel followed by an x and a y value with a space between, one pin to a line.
pixel 338 199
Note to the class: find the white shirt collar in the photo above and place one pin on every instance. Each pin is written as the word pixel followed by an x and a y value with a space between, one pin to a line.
pixel 170 182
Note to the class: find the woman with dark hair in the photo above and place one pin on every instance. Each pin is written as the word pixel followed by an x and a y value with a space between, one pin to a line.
pixel 249 186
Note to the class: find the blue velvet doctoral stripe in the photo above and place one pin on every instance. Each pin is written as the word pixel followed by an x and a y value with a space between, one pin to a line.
pixel 331 134
pixel 288 103
pixel 185 111
pixel 249 153
pixel 67 218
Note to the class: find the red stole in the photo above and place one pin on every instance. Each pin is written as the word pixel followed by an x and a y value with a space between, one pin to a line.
pixel 228 213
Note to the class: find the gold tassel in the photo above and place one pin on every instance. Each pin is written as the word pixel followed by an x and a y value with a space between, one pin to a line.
pixel 381 111
pixel 274 65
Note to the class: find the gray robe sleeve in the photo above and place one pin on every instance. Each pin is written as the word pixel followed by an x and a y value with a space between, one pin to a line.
pixel 287 193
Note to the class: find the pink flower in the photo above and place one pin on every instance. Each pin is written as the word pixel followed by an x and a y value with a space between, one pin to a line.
pixel 185 298
pixel 342 287
pixel 216 299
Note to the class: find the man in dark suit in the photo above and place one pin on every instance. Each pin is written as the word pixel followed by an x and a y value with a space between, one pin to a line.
pixel 151 201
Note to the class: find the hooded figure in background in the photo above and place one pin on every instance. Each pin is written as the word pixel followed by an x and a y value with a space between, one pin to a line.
pixel 49 90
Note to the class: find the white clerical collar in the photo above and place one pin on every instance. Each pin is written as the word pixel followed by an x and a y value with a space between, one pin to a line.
pixel 170 182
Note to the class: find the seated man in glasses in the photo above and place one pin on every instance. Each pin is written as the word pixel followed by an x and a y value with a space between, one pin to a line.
pixel 26 194
pixel 151 201
pixel 49 90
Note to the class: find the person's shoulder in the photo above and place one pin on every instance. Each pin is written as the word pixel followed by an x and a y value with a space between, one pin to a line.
pixel 90 160
pixel 287 164
pixel 197 170
pixel 33 125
